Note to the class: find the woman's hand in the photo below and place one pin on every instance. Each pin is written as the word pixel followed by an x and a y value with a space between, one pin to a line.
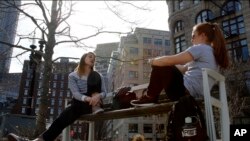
pixel 95 99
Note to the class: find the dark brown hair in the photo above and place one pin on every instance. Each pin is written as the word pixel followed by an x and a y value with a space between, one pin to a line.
pixel 80 69
pixel 217 40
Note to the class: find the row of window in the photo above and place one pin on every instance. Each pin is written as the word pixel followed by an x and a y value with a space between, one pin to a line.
pixel 53 93
pixel 207 15
pixel 227 7
pixel 55 84
pixel 147 128
pixel 134 75
pixel 55 76
pixel 157 42
pixel 146 52
pixel 231 27
pixel 51 112
pixel 179 4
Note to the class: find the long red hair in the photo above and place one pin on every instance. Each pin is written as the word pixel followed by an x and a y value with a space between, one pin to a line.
pixel 217 40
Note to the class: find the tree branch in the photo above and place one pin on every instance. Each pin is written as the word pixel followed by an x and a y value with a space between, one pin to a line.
pixel 26 14
pixel 93 35
pixel 21 47
pixel 40 4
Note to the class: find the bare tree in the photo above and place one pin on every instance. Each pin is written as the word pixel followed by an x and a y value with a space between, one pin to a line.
pixel 51 23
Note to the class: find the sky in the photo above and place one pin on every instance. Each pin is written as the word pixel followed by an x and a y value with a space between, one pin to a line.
pixel 95 13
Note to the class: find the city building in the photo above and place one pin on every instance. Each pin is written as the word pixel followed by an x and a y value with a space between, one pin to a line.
pixel 31 88
pixel 129 67
pixel 9 90
pixel 103 55
pixel 233 16
pixel 8 24
pixel 135 50
pixel 22 125
pixel 58 98
pixel 112 68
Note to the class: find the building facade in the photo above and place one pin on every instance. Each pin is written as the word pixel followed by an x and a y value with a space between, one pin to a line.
pixel 233 16
pixel 8 24
pixel 135 50
pixel 129 67
pixel 29 99
pixel 103 55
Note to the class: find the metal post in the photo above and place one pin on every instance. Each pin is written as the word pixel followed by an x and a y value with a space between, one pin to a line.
pixel 65 134
pixel 91 136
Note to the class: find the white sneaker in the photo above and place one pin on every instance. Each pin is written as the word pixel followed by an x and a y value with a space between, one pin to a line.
pixel 13 137
pixel 97 109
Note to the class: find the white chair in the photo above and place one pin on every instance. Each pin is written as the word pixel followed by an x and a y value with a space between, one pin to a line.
pixel 219 103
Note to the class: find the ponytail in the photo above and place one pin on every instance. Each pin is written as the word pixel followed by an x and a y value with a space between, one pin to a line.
pixel 216 38
pixel 219 46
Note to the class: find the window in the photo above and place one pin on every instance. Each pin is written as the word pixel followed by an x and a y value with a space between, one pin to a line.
pixel 27 83
pixel 146 75
pixel 178 4
pixel 41 76
pixel 23 110
pixel 68 93
pixel 158 42
pixel 25 101
pixel 40 84
pixel 62 77
pixel 133 128
pixel 159 128
pixel 178 26
pixel 204 16
pixel 60 101
pixel 52 102
pixel 55 76
pixel 234 26
pixel 147 128
pixel 147 40
pixel 167 43
pixel 39 92
pixel 147 52
pixel 26 91
pixel 133 50
pixel 180 44
pixel 53 93
pixel 51 111
pixel 156 52
pixel 196 1
pixel 61 94
pixel 28 75
pixel 54 84
pixel 59 110
pixel 231 6
pixel 133 74
pixel 238 50
pixel 36 110
pixel 62 84
pixel 37 101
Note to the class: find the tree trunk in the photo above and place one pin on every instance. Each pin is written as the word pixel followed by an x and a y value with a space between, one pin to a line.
pixel 49 51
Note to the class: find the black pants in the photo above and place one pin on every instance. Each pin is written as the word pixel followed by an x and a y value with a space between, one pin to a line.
pixel 67 117
pixel 168 78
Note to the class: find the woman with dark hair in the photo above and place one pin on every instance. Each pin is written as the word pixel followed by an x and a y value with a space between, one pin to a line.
pixel 181 74
pixel 88 89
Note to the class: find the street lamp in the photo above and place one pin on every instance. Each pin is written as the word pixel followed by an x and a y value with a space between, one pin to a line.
pixel 35 59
